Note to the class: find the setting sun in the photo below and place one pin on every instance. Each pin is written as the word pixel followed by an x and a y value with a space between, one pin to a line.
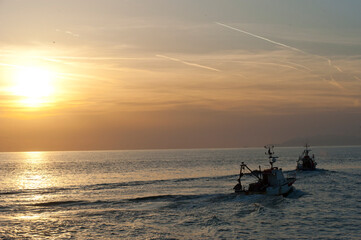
pixel 34 85
pixel 138 119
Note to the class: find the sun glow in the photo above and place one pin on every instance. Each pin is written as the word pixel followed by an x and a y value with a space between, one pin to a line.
pixel 34 85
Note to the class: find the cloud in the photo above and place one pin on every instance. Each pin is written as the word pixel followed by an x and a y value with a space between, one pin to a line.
pixel 333 82
pixel 329 61
pixel 262 82
pixel 357 78
pixel 68 32
pixel 188 63
pixel 260 37
pixel 280 44
pixel 272 64
pixel 300 65
pixel 338 68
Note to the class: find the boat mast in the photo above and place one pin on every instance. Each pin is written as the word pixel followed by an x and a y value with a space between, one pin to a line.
pixel 307 150
pixel 270 152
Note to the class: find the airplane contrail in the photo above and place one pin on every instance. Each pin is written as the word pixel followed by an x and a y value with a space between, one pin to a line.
pixel 337 68
pixel 357 78
pixel 280 44
pixel 300 65
pixel 334 82
pixel 188 63
pixel 260 37
pixel 272 64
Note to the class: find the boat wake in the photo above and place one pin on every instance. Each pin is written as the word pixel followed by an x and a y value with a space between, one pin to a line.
pixel 296 193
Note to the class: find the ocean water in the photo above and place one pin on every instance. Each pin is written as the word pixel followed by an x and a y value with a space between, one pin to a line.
pixel 175 194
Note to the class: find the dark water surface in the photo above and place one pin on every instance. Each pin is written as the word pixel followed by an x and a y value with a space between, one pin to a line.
pixel 175 194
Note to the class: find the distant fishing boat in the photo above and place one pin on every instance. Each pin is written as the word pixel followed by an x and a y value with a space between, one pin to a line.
pixel 305 162
pixel 269 181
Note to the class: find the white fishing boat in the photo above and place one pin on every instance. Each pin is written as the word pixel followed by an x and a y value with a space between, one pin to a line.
pixel 269 181
pixel 305 162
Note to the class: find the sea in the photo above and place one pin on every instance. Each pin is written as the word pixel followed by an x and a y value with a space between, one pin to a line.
pixel 176 194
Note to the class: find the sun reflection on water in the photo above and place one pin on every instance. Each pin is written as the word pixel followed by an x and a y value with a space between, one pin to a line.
pixel 34 175
pixel 33 157
pixel 30 217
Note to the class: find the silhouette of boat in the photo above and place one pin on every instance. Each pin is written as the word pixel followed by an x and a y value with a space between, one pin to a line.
pixel 305 162
pixel 269 181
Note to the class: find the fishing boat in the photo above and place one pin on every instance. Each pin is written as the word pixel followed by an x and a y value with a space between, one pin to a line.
pixel 269 181
pixel 305 162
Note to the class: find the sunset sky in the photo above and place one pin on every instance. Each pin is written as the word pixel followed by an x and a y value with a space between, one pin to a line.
pixel 103 74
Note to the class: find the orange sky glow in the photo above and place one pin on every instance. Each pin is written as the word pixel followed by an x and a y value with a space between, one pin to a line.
pixel 89 75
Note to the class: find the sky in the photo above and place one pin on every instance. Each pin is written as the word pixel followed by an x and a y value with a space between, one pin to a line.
pixel 106 74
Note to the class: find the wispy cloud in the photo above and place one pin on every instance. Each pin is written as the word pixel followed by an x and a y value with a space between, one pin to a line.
pixel 260 37
pixel 98 58
pixel 333 82
pixel 338 68
pixel 300 66
pixel 188 63
pixel 357 78
pixel 9 65
pixel 272 64
pixel 68 32
pixel 329 61
pixel 279 44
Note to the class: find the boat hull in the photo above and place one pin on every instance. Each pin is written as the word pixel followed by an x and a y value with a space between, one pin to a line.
pixel 283 190
pixel 300 167
pixel 277 191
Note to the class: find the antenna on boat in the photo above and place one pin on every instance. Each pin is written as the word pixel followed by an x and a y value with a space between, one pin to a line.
pixel 307 146
pixel 270 153
pixel 307 150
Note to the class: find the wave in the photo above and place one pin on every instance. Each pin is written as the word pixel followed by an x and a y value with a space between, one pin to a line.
pixel 40 191
pixel 78 203
pixel 58 203
pixel 296 193
pixel 153 198
pixel 142 183
pixel 110 186
pixel 11 192
pixel 107 186
pixel 319 170
pixel 166 197
pixel 178 198
pixel 174 201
